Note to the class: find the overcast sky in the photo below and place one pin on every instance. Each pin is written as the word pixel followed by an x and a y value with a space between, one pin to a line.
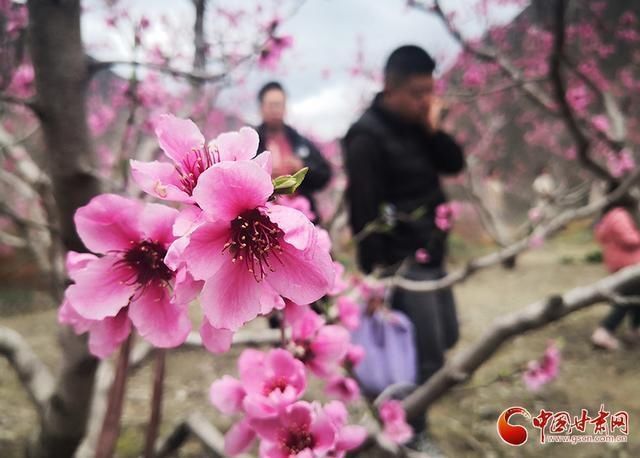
pixel 324 97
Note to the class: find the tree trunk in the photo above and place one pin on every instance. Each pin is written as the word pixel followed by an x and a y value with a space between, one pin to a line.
pixel 60 68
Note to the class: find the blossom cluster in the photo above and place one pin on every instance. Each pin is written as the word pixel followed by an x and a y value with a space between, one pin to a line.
pixel 227 238
pixel 229 245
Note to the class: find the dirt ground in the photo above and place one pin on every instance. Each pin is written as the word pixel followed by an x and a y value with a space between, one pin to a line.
pixel 464 421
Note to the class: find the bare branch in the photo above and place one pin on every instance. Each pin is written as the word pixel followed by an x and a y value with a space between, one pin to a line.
pixel 619 299
pixel 495 90
pixel 30 104
pixel 141 353
pixel 104 379
pixel 545 231
pixel 530 88
pixel 12 240
pixel 248 338
pixel 534 316
pixel 558 83
pixel 197 76
pixel 24 222
pixel 615 140
pixel 33 373
pixel 198 426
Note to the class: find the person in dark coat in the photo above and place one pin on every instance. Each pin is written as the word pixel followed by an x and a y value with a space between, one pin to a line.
pixel 395 154
pixel 290 151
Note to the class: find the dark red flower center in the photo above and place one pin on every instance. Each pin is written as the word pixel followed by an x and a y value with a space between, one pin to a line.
pixel 254 239
pixel 146 261
pixel 304 352
pixel 197 161
pixel 298 439
pixel 276 383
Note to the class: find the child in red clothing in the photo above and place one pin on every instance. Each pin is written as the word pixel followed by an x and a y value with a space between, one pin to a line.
pixel 618 234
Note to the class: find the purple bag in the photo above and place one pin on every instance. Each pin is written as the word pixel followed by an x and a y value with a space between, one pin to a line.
pixel 390 353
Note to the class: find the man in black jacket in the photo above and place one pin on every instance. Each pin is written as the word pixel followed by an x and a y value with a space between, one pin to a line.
pixel 290 150
pixel 395 154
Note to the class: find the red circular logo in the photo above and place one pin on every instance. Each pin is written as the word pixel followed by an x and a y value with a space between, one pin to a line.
pixel 515 435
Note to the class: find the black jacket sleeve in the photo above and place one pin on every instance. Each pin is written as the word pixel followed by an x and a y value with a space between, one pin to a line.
pixel 366 194
pixel 319 172
pixel 446 154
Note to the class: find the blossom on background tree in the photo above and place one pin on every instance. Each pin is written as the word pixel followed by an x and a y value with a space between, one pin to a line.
pixel 274 47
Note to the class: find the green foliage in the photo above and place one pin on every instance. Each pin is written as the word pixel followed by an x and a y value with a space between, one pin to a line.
pixel 593 257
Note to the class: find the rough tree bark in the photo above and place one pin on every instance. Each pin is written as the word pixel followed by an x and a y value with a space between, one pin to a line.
pixel 60 68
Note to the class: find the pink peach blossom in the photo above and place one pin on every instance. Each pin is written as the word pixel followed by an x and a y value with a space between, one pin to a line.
pixel 342 388
pixel 422 256
pixel 301 430
pixel 321 347
pixel 348 437
pixel 298 202
pixel 339 284
pixel 272 381
pixel 130 277
pixel 348 312
pixel 541 372
pixel 22 82
pixel 272 51
pixel 355 354
pixel 249 253
pixel 184 144
pixel 395 426
pixel 268 383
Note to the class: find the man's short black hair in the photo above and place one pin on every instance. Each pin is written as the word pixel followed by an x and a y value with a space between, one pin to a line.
pixel 270 86
pixel 407 61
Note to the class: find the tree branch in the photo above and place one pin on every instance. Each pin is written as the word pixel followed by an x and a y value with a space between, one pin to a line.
pixel 530 89
pixel 33 373
pixel 555 225
pixel 610 106
pixel 534 316
pixel 505 87
pixel 198 426
pixel 30 104
pixel 141 353
pixel 196 76
pixel 555 61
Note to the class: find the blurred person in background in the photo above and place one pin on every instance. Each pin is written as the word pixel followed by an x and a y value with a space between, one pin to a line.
pixel 618 234
pixel 395 154
pixel 290 151
pixel 545 190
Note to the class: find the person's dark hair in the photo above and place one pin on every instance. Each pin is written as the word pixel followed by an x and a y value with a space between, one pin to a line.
pixel 270 86
pixel 626 201
pixel 407 61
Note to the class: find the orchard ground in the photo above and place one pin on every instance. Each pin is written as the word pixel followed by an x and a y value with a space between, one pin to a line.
pixel 463 422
